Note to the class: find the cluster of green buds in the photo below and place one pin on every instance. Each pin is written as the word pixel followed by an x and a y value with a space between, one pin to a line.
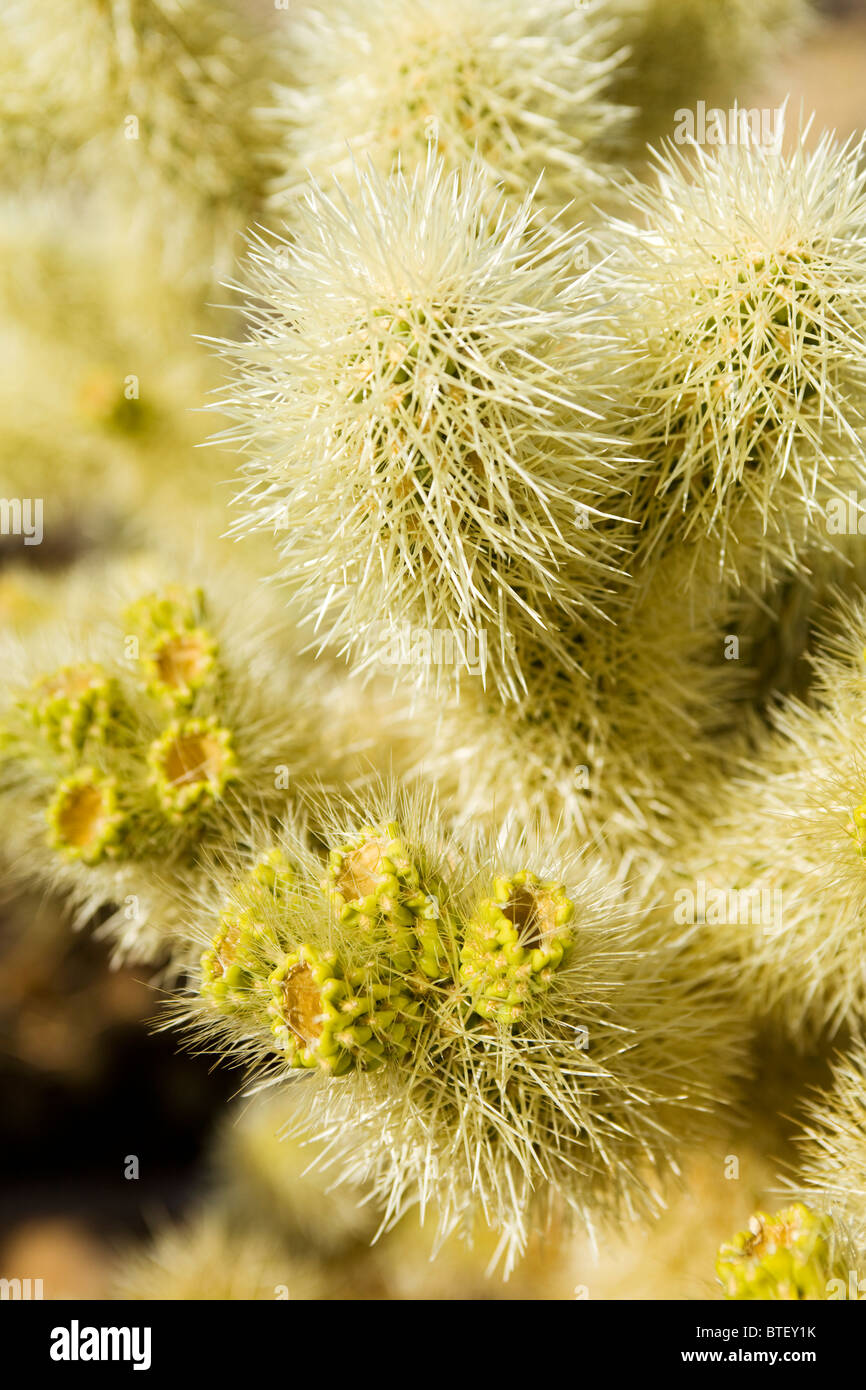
pixel 127 760
pixel 514 944
pixel 352 989
pixel 337 1019
pixel 788 1256
pixel 177 652
pixel 376 889
pixel 322 1011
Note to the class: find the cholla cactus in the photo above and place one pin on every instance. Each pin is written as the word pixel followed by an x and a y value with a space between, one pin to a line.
pixel 183 716
pixel 547 474
pixel 169 111
pixel 444 368
pixel 745 272
pixel 521 87
pixel 684 51
pixel 781 859
pixel 505 1088
pixel 793 1255
pixel 620 753
pixel 831 1163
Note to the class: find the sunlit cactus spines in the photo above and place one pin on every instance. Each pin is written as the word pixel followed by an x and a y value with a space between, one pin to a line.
pixel 744 265
pixel 515 942
pixel 85 819
pixel 787 1256
pixel 829 1171
pixel 520 87
pixel 446 368
pixel 781 852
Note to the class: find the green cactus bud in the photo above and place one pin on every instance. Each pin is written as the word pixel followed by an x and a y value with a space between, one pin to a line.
pixel 73 704
pixel 324 1016
pixel 514 944
pixel 275 871
pixel 232 972
pixel 178 653
pixel 191 764
pixel 84 817
pixel 374 883
pixel 228 966
pixel 180 664
pixel 788 1256
pixel 173 608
